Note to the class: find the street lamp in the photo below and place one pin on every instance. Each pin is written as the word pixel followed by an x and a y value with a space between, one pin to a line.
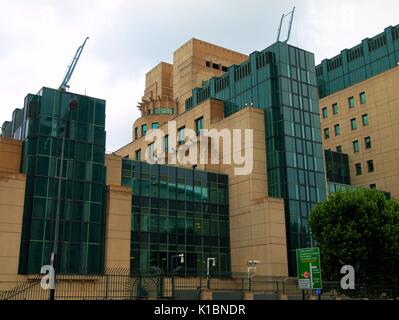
pixel 208 268
pixel 73 104
pixel 181 256
pixel 251 272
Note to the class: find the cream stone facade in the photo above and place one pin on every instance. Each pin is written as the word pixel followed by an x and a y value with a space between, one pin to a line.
pixel 157 105
pixel 257 222
pixel 381 107
pixel 12 191
pixel 118 221
pixel 159 81
pixel 167 86
pixel 197 61
pixel 148 121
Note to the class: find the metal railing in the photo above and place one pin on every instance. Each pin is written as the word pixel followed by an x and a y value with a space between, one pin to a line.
pixel 119 284
pixel 113 284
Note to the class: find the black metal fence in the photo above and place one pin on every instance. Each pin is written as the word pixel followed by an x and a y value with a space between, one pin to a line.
pixel 118 284
pixel 114 284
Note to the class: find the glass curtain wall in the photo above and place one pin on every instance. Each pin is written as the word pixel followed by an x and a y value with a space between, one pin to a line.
pixel 175 211
pixel 81 237
pixel 281 80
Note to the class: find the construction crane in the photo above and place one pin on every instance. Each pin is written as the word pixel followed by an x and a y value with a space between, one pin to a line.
pixel 64 85
pixel 291 13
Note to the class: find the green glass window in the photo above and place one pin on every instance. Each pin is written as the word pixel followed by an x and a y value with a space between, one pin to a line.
pixel 136 133
pixel 362 96
pixel 166 143
pixel 365 120
pixel 199 125
pixel 326 133
pixel 98 154
pixel 370 165
pixel 42 165
pixel 353 124
pixel 181 137
pixel 298 109
pixel 150 150
pixel 83 184
pixel 356 146
pixel 154 125
pixel 164 111
pixel 143 129
pixel 138 155
pixel 335 108
pixel 171 110
pixel 325 113
pixel 177 222
pixel 337 129
pixel 358 169
pixel 351 102
pixel 99 113
pixel 367 142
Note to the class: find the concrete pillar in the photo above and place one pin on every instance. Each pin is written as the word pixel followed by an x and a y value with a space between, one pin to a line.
pixel 282 296
pixel 205 294
pixel 248 295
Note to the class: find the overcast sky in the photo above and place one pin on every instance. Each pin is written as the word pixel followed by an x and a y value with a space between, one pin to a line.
pixel 127 38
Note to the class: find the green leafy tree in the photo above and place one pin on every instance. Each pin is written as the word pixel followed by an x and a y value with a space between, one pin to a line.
pixel 358 228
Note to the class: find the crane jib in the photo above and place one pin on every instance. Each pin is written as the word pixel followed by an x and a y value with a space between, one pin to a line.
pixel 64 85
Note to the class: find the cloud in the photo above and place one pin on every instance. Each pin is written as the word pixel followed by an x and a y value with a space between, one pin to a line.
pixel 331 26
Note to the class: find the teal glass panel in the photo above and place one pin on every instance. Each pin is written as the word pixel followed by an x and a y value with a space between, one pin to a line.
pixel 353 124
pixel 337 130
pixel 351 102
pixel 83 182
pixel 143 129
pixel 335 108
pixel 358 169
pixel 364 61
pixel 168 209
pixel 365 120
pixel 367 142
pixel 362 98
pixel 199 125
pixel 326 133
pixel 356 146
pixel 325 113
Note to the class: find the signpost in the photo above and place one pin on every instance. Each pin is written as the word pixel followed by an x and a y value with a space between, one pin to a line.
pixel 308 268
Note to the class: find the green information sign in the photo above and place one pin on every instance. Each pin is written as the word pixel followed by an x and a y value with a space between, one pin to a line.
pixel 309 269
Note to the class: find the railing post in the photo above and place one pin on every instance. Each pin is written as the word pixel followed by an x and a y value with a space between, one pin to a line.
pixel 159 286
pixel 278 291
pixel 173 286
pixel 106 286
